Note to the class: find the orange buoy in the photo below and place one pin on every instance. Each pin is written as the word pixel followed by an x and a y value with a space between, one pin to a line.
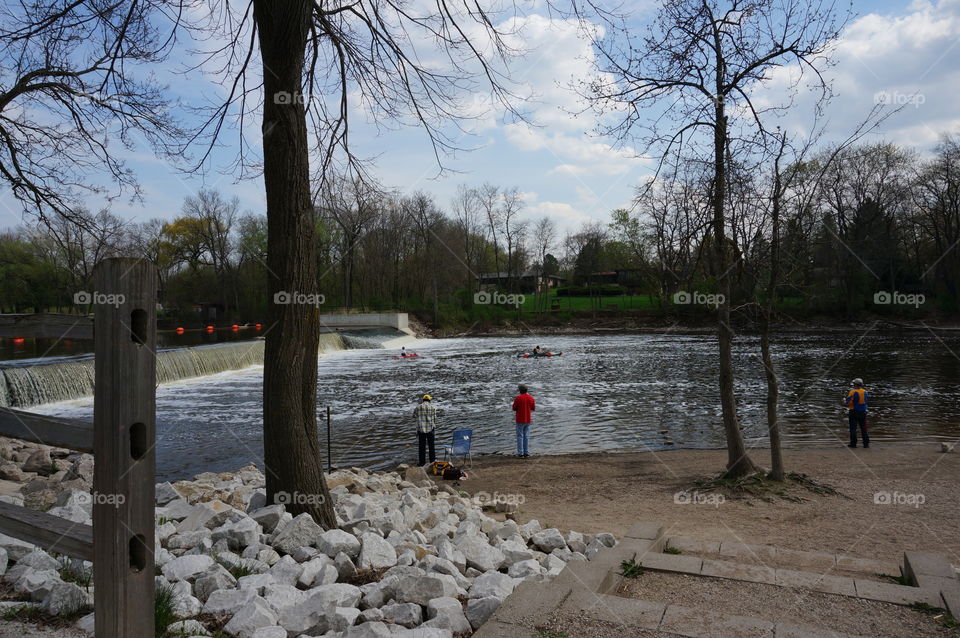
pixel 180 330
pixel 259 326
pixel 209 328
pixel 235 327
pixel 18 339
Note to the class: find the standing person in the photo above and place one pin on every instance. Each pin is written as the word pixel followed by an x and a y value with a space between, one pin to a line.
pixel 426 415
pixel 856 402
pixel 523 405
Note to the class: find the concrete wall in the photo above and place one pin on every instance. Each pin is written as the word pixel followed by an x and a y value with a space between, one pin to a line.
pixel 397 320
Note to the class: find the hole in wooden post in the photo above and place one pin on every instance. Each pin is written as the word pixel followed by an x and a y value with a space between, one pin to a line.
pixel 138 441
pixel 138 553
pixel 138 326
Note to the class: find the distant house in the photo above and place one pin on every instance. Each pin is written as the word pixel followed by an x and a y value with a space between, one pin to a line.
pixel 624 276
pixel 209 311
pixel 528 282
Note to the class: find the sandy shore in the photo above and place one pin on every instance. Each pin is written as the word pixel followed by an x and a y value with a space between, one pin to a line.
pixel 609 492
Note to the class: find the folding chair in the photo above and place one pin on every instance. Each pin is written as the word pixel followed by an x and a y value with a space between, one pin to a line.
pixel 460 447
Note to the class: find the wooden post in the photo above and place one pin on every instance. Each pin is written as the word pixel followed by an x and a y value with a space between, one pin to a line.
pixel 123 446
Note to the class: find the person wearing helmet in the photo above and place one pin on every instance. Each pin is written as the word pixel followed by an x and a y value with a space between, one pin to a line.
pixel 856 403
pixel 426 415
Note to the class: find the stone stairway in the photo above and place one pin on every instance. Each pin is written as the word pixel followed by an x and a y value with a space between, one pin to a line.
pixel 585 591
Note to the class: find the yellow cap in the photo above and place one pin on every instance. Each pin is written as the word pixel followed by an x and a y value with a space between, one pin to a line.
pixel 427 397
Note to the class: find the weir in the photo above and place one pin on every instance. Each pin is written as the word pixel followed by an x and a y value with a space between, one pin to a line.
pixel 65 379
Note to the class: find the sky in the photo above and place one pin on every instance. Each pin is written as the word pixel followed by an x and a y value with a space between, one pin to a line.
pixel 891 51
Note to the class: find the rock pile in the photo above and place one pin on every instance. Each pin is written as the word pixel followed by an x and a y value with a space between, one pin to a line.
pixel 410 558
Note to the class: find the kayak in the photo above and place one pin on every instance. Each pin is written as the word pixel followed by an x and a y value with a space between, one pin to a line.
pixel 409 356
pixel 530 355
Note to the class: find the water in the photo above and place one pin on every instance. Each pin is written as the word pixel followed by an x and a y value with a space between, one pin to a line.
pixel 613 392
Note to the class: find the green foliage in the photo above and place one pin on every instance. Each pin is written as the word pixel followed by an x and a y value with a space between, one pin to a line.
pixel 597 290
pixel 75 572
pixel 163 612
pixel 938 613
pixel 550 633
pixel 672 550
pixel 631 569
pixel 23 613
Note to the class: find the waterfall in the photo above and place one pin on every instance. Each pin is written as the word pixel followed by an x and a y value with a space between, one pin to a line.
pixel 65 379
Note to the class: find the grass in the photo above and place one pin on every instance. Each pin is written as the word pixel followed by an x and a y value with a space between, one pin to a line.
pixel 631 569
pixel 938 613
pixel 672 550
pixel 36 616
pixel 549 633
pixel 365 576
pixel 24 613
pixel 163 613
pixel 75 573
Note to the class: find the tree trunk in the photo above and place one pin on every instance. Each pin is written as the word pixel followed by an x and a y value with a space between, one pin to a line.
pixel 773 384
pixel 292 452
pixel 738 462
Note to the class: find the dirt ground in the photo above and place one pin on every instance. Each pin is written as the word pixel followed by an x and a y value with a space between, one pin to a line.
pixel 776 604
pixel 897 497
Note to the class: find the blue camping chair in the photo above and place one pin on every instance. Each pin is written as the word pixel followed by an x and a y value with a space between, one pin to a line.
pixel 461 447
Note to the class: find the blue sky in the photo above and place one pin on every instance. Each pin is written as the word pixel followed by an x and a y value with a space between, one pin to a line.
pixel 900 50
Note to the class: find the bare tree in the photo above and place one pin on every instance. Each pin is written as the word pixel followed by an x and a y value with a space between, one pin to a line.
pixel 76 86
pixel 316 58
pixel 706 58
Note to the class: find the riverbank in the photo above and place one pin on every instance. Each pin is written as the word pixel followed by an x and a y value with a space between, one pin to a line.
pixel 623 322
pixel 612 491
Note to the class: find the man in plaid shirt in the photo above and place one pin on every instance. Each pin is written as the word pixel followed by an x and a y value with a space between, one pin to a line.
pixel 426 414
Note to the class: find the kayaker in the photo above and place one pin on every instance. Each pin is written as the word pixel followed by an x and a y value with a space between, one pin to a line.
pixel 523 406
pixel 403 351
pixel 426 415
pixel 856 403
pixel 538 350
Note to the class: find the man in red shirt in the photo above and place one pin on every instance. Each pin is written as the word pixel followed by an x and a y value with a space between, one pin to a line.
pixel 523 405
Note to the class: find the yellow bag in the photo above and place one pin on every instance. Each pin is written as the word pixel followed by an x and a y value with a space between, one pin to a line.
pixel 437 467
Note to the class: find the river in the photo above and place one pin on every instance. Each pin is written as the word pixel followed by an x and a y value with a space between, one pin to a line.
pixel 612 392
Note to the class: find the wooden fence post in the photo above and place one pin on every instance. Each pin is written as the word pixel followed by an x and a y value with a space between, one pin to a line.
pixel 123 446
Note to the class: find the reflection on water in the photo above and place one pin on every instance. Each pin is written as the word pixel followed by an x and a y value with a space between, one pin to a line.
pixel 612 392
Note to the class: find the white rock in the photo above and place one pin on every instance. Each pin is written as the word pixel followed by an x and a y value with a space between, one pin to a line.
pixel 270 632
pixel 345 566
pixel 530 528
pixel 368 630
pixel 4 561
pixel 608 540
pixel 251 617
pixel 36 583
pixel 447 613
pixel 479 553
pixel 165 493
pixel 228 601
pixel 242 533
pixel 343 618
pixel 423 589
pixel 553 565
pixel 187 628
pixel 514 552
pixel 268 517
pixel 548 540
pixel 376 553
pixel 525 569
pixel 334 541
pixel 592 548
pixel 479 610
pixel 64 598
pixel 492 584
pixel 256 582
pixel 312 567
pixel 270 556
pixel 15 548
pixel 186 606
pixel 40 560
pixel 186 567
pixel 300 532
pixel 404 614
pixel 286 571
pixel 281 597
pixel 216 577
pixel 371 615
pixel 86 624
pixel 176 510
